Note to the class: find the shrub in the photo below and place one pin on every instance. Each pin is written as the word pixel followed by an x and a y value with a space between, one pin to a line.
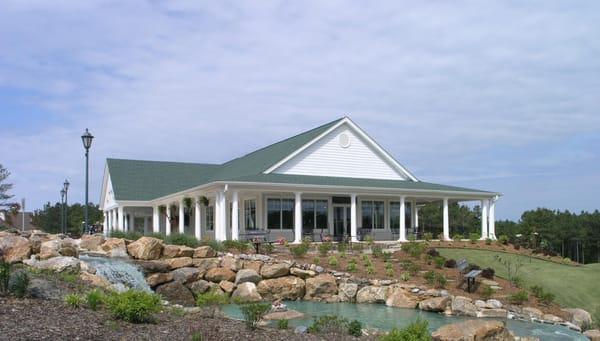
pixel 131 235
pixel 370 269
pixel 428 236
pixel 370 240
pixel 211 298
pixel 74 300
pixel 342 247
pixel 355 328
pixel 18 283
pixel 299 250
pixel 358 247
pixel 389 265
pixel 429 277
pixel 389 272
pixel 503 239
pixel 416 331
pixel 487 292
pixel 439 262
pixel 433 252
pixel 488 241
pixel 282 324
pixel 387 256
pixel 413 268
pixel 133 305
pixel 473 237
pixel 267 248
pixel 324 248
pixel 351 267
pixel 405 276
pixel 440 281
pixel 377 251
pixel 450 263
pixel 196 336
pixel 546 298
pixel 328 324
pixel 4 276
pixel 414 249
pixel 537 290
pixel 94 299
pixel 457 237
pixel 214 244
pixel 517 281
pixel 488 273
pixel 333 262
pixel 238 245
pixel 253 313
pixel 182 239
pixel 519 297
pixel 317 260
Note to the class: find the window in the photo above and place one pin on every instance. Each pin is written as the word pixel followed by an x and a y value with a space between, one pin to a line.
pixel 395 214
pixel 372 214
pixel 210 218
pixel 314 214
pixel 250 214
pixel 280 213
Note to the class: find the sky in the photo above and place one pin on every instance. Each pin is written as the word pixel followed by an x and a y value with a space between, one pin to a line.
pixel 494 95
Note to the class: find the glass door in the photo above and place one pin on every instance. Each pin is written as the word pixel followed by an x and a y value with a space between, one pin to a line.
pixel 341 221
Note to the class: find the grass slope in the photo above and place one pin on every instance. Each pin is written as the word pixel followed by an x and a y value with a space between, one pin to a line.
pixel 574 286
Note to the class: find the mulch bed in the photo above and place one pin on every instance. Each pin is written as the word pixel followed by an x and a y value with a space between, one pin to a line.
pixel 32 319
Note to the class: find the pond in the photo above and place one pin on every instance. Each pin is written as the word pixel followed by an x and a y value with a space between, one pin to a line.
pixel 385 318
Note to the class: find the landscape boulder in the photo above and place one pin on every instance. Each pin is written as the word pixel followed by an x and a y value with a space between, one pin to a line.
pixel 176 293
pixel 44 289
pixel 205 264
pixel 347 291
pixel 49 249
pixel 204 252
pixel 247 275
pixel 227 286
pixel 186 275
pixel 115 247
pixel 285 288
pixel 275 270
pixel 91 242
pixel 180 262
pixel 217 275
pixel 199 287
pixel 400 298
pixel 532 312
pixel 579 317
pixel 152 266
pixel 253 264
pixel 472 330
pixel 435 304
pixel 159 278
pixel 146 248
pixel 94 280
pixel 372 294
pixel 246 292
pixel 14 248
pixel 232 263
pixel 320 287
pixel 69 247
pixel 56 264
pixel 463 306
pixel 495 312
pixel 304 274
pixel 36 239
pixel 592 334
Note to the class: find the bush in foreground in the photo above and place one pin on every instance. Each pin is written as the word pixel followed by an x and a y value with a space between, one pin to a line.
pixel 416 331
pixel 331 324
pixel 253 313
pixel 133 305
pixel 19 281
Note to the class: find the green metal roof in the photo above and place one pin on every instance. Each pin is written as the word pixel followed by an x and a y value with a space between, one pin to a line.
pixel 146 180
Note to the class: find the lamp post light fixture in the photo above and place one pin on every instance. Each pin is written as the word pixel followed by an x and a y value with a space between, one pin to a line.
pixel 86 138
pixel 66 206
pixel 63 193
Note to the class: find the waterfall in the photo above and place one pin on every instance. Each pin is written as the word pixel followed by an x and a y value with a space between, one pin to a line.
pixel 121 274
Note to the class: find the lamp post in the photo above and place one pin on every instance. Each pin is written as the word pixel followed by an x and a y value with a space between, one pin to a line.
pixel 62 210
pixel 86 138
pixel 66 206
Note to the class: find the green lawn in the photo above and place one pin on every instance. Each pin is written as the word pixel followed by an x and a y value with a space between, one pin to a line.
pixel 574 286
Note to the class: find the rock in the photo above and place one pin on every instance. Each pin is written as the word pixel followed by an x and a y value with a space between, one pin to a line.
pixel 495 304
pixel 187 275
pixel 481 304
pixel 301 330
pixel 204 252
pixel 57 264
pixel 347 291
pixel 502 313
pixel 304 274
pixel 462 306
pixel 579 317
pixel 185 251
pixel 399 297
pixel 69 248
pixel 146 248
pixel 14 248
pixel 437 304
pixel 49 249
pixel 227 286
pixel 532 312
pixel 199 287
pixel 176 263
pixel 552 318
pixel 285 288
pixel 371 294
pixel 115 247
pixel 284 315
pixel 36 239
pixel 205 264
pixel 275 270
pixel 174 251
pixel 247 275
pixel 152 266
pixel 159 278
pixel 247 292
pixel 472 330
pixel 44 289
pixel 253 265
pixel 592 334
pixel 217 275
pixel 91 242
pixel 95 280
pixel 489 283
pixel 231 263
pixel 320 287
pixel 572 326
pixel 176 293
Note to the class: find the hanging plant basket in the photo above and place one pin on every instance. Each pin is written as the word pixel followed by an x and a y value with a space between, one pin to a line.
pixel 203 200
pixel 162 209
pixel 187 204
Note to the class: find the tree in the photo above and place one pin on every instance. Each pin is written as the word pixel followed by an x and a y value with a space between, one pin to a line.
pixel 48 218
pixel 4 188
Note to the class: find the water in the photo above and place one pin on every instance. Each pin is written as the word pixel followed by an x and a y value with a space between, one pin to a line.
pixel 385 318
pixel 121 274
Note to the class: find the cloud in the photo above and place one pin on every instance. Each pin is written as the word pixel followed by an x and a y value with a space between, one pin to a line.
pixel 446 88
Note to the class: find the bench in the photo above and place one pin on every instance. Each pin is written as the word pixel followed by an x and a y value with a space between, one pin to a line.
pixel 257 237
pixel 471 276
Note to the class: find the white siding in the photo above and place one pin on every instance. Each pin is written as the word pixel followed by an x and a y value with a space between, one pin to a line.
pixel 109 196
pixel 328 158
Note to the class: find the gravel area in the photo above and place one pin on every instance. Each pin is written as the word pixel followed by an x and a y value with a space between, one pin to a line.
pixel 33 319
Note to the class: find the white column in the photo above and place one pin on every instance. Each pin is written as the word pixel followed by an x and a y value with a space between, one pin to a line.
pixel 353 218
pixel 168 220
pixel 105 224
pixel 155 219
pixel 446 221
pixel 484 218
pixel 413 205
pixel 121 218
pixel 125 222
pixel 113 219
pixel 181 217
pixel 130 223
pixel 492 219
pixel 197 220
pixel 402 219
pixel 416 216
pixel 298 218
pixel 235 216
pixel 220 221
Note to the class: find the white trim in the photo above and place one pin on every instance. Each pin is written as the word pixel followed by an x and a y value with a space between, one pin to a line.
pixel 358 130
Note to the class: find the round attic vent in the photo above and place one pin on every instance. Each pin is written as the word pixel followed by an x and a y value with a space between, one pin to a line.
pixel 344 140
